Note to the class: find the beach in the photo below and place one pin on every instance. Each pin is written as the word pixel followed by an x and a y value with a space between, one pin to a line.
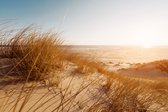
pixel 91 74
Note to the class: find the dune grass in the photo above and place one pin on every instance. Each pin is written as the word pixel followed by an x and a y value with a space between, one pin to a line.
pixel 39 61
pixel 33 55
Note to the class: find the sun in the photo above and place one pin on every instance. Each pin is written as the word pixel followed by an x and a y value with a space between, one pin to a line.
pixel 147 46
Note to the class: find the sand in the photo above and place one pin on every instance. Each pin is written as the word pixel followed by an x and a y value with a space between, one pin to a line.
pixel 71 84
pixel 151 69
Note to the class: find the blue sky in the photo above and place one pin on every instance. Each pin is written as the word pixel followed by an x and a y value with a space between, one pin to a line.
pixel 110 22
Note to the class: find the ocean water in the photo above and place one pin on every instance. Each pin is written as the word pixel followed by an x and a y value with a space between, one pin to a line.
pixel 125 54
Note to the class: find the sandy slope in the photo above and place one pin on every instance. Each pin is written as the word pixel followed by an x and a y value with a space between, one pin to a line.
pixel 77 90
pixel 70 84
pixel 152 69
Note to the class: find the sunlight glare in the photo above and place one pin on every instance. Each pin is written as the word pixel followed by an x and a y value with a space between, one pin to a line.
pixel 147 46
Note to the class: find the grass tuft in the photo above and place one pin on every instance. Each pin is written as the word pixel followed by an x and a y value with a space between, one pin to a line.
pixel 33 55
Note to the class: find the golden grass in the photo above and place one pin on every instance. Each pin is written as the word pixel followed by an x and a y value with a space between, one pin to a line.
pixel 35 57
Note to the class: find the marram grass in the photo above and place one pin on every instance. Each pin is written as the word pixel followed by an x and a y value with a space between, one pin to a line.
pixel 38 60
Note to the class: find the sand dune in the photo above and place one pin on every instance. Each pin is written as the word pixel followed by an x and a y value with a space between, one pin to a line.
pixel 152 69
pixel 39 75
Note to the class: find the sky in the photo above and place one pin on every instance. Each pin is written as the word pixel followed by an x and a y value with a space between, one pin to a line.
pixel 94 22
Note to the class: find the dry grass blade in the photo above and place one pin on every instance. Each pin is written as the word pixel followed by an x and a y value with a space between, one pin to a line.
pixel 34 56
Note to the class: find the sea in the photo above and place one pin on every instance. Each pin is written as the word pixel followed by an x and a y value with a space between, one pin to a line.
pixel 124 54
